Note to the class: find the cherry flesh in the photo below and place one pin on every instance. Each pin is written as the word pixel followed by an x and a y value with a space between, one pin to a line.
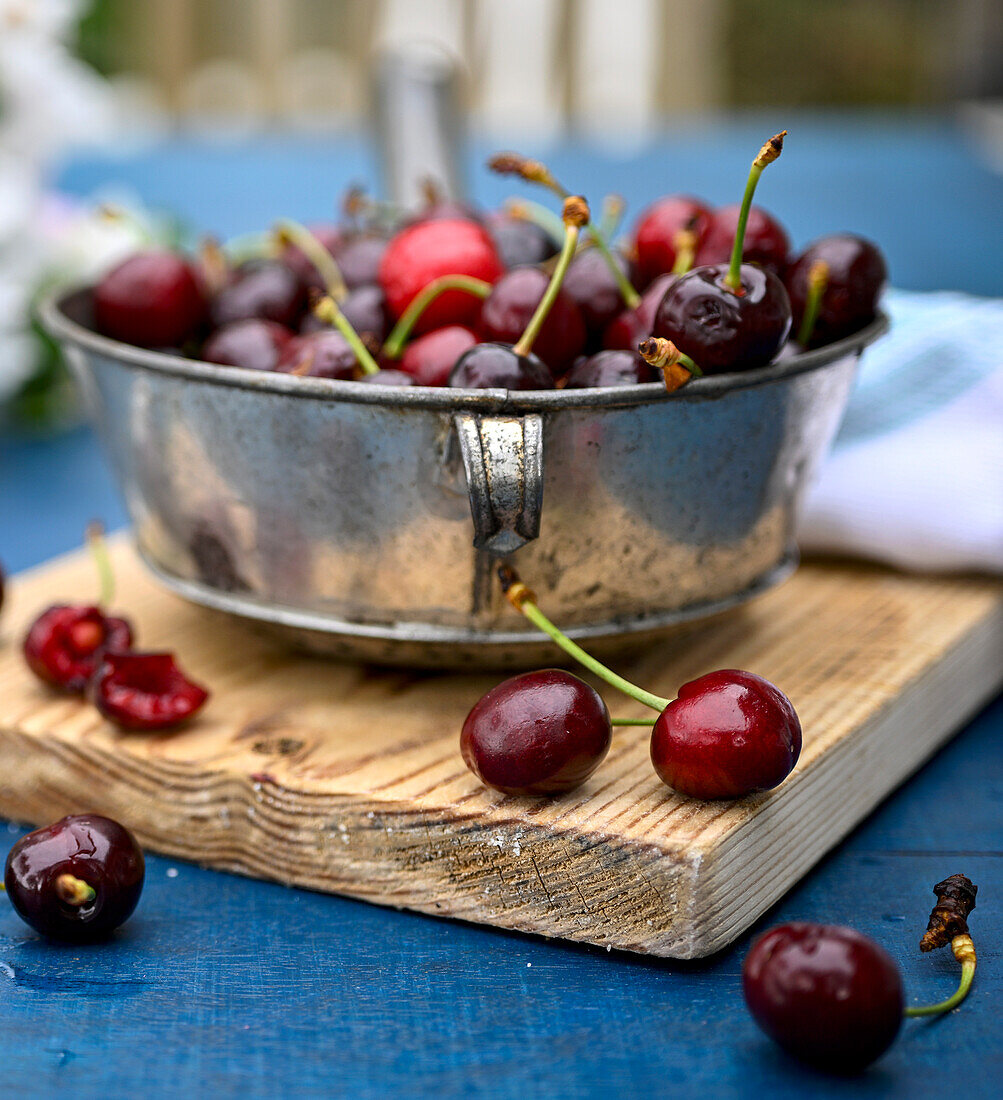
pixel 610 368
pixel 152 299
pixel 144 691
pixel 542 732
pixel 631 326
pixel 428 250
pixel 856 276
pixel 499 366
pixel 431 358
pixel 520 241
pixel 65 644
pixel 251 344
pixel 726 735
pixel 827 994
pixel 324 354
pixel 76 880
pixel 264 290
pixel 720 329
pixel 508 308
pixel 657 233
pixel 590 284
pixel 766 242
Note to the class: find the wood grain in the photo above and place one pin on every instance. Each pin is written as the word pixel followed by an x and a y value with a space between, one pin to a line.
pixel 347 779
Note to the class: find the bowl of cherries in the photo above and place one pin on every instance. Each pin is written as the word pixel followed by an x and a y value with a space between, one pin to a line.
pixel 340 431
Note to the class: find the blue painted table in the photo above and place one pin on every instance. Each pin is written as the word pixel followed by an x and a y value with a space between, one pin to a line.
pixel 224 986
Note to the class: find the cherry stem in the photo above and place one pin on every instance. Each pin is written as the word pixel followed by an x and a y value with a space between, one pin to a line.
pixel 538 214
pixel 290 232
pixel 99 552
pixel 686 247
pixel 576 214
pixel 767 155
pixel 74 891
pixel 818 280
pixel 964 952
pixel 677 368
pixel 524 601
pixel 327 310
pixel 247 246
pixel 409 318
pixel 633 721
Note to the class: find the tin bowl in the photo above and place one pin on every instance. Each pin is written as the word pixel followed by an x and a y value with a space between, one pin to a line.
pixel 367 522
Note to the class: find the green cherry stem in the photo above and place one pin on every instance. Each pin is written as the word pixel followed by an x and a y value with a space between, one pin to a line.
pixel 818 280
pixel 327 311
pixel 609 218
pixel 538 214
pixel 767 155
pixel 633 721
pixel 524 601
pixel 677 368
pixel 964 952
pixel 99 552
pixel 290 232
pixel 685 242
pixel 575 215
pixel 398 337
pixel 949 923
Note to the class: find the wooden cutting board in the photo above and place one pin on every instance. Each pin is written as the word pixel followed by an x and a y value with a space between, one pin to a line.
pixel 348 779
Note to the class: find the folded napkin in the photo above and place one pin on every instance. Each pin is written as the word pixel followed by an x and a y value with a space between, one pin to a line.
pixel 916 475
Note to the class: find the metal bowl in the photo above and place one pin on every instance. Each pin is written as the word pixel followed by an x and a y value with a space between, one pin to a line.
pixel 340 513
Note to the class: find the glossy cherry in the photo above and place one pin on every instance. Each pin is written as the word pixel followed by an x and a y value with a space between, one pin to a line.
pixel 520 241
pixel 610 368
pixel 323 354
pixel 726 735
pixel 856 275
pixel 499 366
pixel 508 308
pixel 251 344
pixel 152 299
pixel 144 691
pixel 631 326
pixel 428 250
pixel 65 643
pixel 766 240
pixel 827 994
pixel 430 359
pixel 542 732
pixel 656 235
pixel 593 288
pixel 264 290
pixel 76 880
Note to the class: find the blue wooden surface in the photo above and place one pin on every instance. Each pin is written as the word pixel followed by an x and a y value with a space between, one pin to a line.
pixel 225 986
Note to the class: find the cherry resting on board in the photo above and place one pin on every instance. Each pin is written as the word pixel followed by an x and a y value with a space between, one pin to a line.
pixel 144 691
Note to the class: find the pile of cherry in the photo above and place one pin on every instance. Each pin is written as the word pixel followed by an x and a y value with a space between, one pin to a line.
pixel 446 296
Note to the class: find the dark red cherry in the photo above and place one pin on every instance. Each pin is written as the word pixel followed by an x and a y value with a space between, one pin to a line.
pixel 657 230
pixel 424 252
pixel 631 326
pixel 76 880
pixel 152 299
pixel 498 366
pixel 726 735
pixel 264 290
pixel 856 276
pixel 590 284
pixel 719 329
pixel 520 241
pixel 144 691
pixel 512 302
pixel 827 994
pixel 365 308
pixel 359 259
pixel 252 344
pixel 766 241
pixel 388 376
pixel 610 368
pixel 65 643
pixel 431 358
pixel 332 237
pixel 324 354
pixel 539 733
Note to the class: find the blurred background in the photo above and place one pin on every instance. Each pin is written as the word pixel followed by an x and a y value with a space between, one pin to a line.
pixel 220 115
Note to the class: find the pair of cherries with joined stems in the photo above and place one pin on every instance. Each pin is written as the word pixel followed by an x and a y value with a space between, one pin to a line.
pixel 728 733
pixel 80 649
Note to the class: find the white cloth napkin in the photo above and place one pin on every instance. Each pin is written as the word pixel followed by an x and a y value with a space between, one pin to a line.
pixel 916 476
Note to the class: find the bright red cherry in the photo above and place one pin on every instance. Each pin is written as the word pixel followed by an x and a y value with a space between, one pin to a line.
pixel 264 290
pixel 65 643
pixel 610 368
pixel 431 358
pixel 631 326
pixel 428 250
pixel 144 691
pixel 152 299
pixel 76 880
pixel 508 308
pixel 251 344
pixel 766 241
pixel 827 994
pixel 656 235
pixel 539 733
pixel 726 735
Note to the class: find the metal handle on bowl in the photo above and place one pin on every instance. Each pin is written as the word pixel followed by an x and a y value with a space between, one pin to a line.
pixel 503 460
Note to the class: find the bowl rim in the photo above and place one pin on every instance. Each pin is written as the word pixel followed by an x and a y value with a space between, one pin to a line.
pixel 52 313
